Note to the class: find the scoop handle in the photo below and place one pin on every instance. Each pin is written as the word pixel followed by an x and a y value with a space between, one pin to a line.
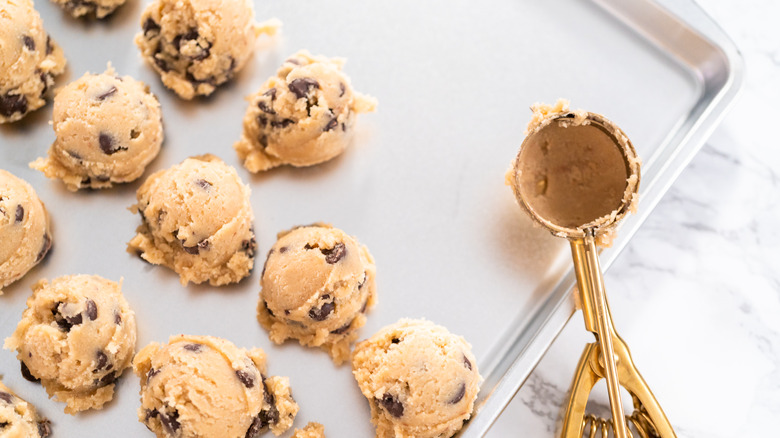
pixel 598 320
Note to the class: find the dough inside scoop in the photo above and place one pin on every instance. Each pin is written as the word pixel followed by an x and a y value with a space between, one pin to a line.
pixel 572 175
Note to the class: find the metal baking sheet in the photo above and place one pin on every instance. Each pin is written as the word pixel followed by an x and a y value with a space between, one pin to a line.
pixel 422 185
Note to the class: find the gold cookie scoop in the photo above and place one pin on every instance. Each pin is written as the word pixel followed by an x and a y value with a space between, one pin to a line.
pixel 577 174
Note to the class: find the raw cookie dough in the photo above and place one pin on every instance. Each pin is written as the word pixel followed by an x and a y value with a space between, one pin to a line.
pixel 202 386
pixel 302 116
pixel 571 175
pixel 19 419
pixel 317 284
pixel 77 336
pixel 29 60
pixel 197 220
pixel 312 430
pixel 97 8
pixel 196 45
pixel 108 129
pixel 420 380
pixel 25 237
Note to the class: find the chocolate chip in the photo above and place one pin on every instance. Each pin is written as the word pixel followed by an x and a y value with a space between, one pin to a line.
pixel 189 36
pixel 91 309
pixel 343 127
pixel 282 250
pixel 6 397
pixel 282 123
pixel 44 428
pixel 204 244
pixel 150 26
pixel 47 80
pixel 458 395
pixel 4 424
pixel 152 372
pixel 392 405
pixel 466 362
pixel 162 64
pixel 105 380
pixel 331 124
pixel 11 104
pixel 190 249
pixel 255 428
pixel 111 91
pixel 65 323
pixel 301 86
pixel 248 246
pixel 102 361
pixel 202 183
pixel 19 213
pixel 28 42
pixel 265 304
pixel 395 340
pixel 108 144
pixel 117 318
pixel 27 374
pixel 363 281
pixel 102 178
pixel 49 45
pixel 271 92
pixel 363 309
pixel 246 378
pixel 320 314
pixel 343 88
pixel 74 155
pixel 342 329
pixel 333 255
pixel 265 107
pixel 170 422
pixel 44 248
pixel 262 120
pixel 195 348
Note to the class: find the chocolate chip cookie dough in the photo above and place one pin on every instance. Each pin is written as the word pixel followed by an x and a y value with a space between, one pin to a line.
pixel 311 430
pixel 25 236
pixel 303 116
pixel 317 284
pixel 197 220
pixel 420 380
pixel 202 386
pixel 97 8
pixel 19 419
pixel 77 336
pixel 29 60
pixel 108 129
pixel 196 45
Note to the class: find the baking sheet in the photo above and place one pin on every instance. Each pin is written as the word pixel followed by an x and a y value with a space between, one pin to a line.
pixel 421 186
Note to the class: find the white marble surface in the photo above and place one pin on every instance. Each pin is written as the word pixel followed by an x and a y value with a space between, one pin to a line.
pixel 696 295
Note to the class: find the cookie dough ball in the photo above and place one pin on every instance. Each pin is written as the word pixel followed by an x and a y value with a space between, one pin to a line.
pixel 29 60
pixel 108 129
pixel 197 220
pixel 312 430
pixel 202 386
pixel 19 419
pixel 25 237
pixel 96 8
pixel 317 284
pixel 197 45
pixel 420 380
pixel 77 336
pixel 302 116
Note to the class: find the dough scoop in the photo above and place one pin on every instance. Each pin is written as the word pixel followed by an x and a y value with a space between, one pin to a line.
pixel 577 174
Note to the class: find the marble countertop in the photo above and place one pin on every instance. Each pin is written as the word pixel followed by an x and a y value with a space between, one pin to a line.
pixel 696 294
